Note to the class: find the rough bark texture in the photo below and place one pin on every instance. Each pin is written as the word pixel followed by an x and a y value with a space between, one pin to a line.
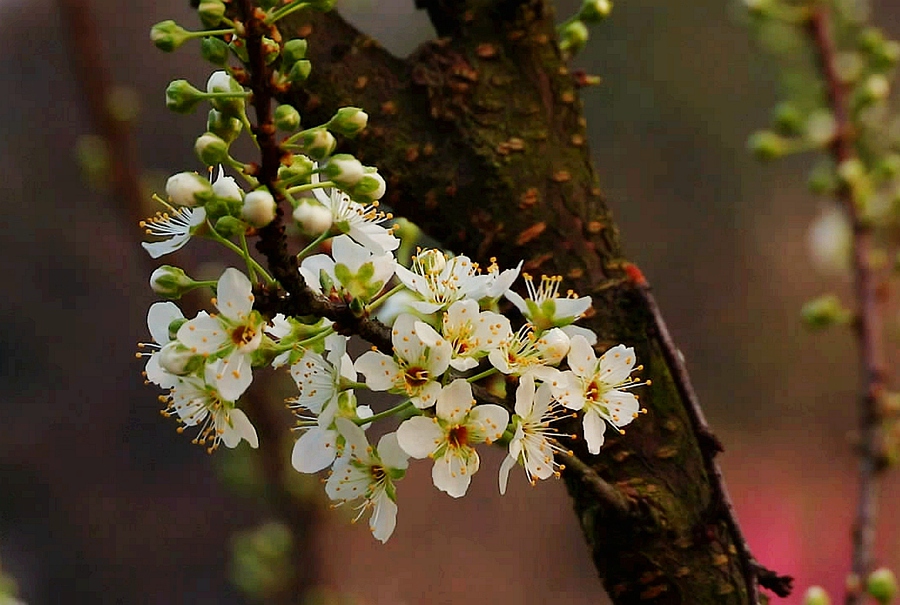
pixel 482 138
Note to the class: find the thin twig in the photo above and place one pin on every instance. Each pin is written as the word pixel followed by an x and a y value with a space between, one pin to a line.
pixel 870 321
pixel 609 496
pixel 754 573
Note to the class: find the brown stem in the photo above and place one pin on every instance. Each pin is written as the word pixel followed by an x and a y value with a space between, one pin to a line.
pixel 92 71
pixel 870 321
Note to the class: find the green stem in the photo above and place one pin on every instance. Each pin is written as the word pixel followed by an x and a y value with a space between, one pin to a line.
pixel 311 186
pixel 314 339
pixel 215 235
pixel 284 11
pixel 380 300
pixel 248 258
pixel 485 374
pixel 385 414
pixel 211 32
pixel 313 245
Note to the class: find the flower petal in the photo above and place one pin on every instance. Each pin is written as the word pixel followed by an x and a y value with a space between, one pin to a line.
pixel 420 436
pixel 234 295
pixel 315 450
pixel 594 427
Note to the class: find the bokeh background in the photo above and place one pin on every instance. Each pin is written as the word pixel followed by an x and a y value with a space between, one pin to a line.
pixel 102 502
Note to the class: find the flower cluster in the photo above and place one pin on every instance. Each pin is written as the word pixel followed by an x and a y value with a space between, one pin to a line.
pixel 447 333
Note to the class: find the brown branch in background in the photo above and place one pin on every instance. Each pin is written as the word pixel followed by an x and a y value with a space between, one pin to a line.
pixel 870 321
pixel 92 71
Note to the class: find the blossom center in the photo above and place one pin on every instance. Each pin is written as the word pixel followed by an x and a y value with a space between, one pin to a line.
pixel 416 377
pixel 242 335
pixel 458 436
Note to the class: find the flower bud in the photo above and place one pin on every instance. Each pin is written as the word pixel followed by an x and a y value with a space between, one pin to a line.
pixel 211 149
pixel 820 128
pixel 188 189
pixel 299 71
pixel 214 50
pixel 317 143
pixel 226 188
pixel 259 208
pixel 175 358
pixel 211 12
pixel 239 47
pixel 852 171
pixel 322 5
pixel 171 282
pixel 816 595
pixel 788 119
pixel 573 36
pixel 822 179
pixel 882 585
pixel 344 170
pixel 287 118
pixel 314 218
pixel 270 49
pixel 889 166
pixel 830 240
pixel 294 50
pixel 348 121
pixel 875 88
pixel 168 35
pixel 298 171
pixel 554 345
pixel 181 97
pixel 222 82
pixel 225 127
pixel 370 187
pixel 825 311
pixel 767 145
pixel 594 11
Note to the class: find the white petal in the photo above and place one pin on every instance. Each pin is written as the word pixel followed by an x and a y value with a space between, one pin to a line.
pixel 525 396
pixel 455 401
pixel 203 334
pixel 420 436
pixel 490 421
pixel 157 249
pixel 594 427
pixel 517 300
pixel 234 295
pixel 241 428
pixel 384 518
pixel 314 450
pixel 391 454
pixel 572 331
pixel 234 376
pixel 356 443
pixel 379 369
pixel 159 316
pixel 157 375
pixel 427 395
pixel 311 268
pixel 622 406
pixel 507 465
pixel 450 474
pixel 582 359
pixel 616 365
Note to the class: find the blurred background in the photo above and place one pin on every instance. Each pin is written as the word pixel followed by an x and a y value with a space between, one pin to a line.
pixel 102 502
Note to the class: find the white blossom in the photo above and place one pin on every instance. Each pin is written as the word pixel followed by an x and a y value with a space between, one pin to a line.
pixel 449 436
pixel 440 281
pixel 369 473
pixel 176 226
pixel 544 308
pixel 159 317
pixel 416 366
pixel 362 223
pixel 472 333
pixel 599 388
pixel 356 268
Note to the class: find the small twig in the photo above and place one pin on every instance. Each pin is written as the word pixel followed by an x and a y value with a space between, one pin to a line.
pixel 611 498
pixel 754 573
pixel 870 321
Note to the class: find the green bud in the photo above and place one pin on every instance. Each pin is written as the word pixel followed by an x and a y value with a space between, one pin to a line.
pixel 211 149
pixel 767 145
pixel 370 187
pixel 357 307
pixel 871 40
pixel 816 595
pixel 181 97
pixel 573 36
pixel 326 282
pixel 299 71
pixel 322 5
pixel 171 282
pixel 298 172
pixel 317 143
pixel 348 121
pixel 174 326
pixel 225 127
pixel 293 51
pixel 344 169
pixel 177 359
pixel 824 312
pixel 222 82
pixel 888 167
pixel 788 119
pixel 270 49
pixel 287 118
pixel 882 585
pixel 230 226
pixel 168 35
pixel 211 12
pixel 214 50
pixel 188 189
pixel 594 11
pixel 852 171
pixel 822 179
pixel 875 88
pixel 820 127
pixel 219 207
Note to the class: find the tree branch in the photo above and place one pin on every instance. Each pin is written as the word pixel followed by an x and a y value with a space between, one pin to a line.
pixel 870 320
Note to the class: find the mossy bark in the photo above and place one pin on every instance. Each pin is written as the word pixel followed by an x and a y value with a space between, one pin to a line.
pixel 481 136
